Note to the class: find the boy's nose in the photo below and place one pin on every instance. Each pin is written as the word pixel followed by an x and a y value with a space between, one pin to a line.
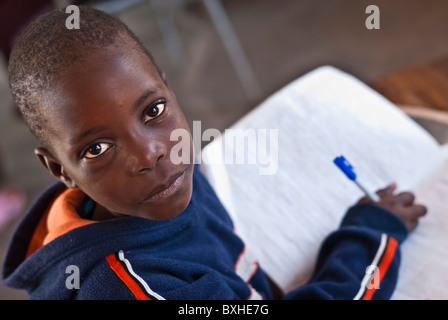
pixel 145 156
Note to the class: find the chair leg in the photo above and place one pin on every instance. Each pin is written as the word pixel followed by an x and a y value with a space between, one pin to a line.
pixel 169 32
pixel 231 43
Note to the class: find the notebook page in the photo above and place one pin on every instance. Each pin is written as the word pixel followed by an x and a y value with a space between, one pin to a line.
pixel 284 217
pixel 424 261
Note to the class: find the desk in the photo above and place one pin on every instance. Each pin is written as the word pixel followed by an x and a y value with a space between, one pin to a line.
pixel 423 85
pixel 421 90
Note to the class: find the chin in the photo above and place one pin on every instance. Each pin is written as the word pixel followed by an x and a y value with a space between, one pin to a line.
pixel 172 206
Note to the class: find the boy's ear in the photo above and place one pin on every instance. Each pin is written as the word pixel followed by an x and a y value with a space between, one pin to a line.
pixel 55 168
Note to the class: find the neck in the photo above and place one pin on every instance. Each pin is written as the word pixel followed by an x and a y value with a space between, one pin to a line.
pixel 100 213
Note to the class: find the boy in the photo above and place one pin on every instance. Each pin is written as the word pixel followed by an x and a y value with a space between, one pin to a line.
pixel 123 217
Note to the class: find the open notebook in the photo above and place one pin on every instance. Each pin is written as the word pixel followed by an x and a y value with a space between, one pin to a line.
pixel 285 195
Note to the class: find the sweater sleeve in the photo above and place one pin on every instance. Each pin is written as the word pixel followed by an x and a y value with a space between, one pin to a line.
pixel 358 261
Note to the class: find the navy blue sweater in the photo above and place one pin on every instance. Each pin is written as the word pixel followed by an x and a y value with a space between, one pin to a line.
pixel 195 255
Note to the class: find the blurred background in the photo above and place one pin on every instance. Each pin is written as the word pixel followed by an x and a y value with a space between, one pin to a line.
pixel 223 58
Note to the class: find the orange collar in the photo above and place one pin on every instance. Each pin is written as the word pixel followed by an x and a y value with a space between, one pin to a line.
pixel 60 218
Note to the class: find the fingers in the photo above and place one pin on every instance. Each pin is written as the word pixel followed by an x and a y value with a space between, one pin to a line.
pixel 417 211
pixel 405 198
pixel 402 205
pixel 387 191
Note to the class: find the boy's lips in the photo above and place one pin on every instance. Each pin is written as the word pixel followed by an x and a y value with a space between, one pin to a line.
pixel 162 192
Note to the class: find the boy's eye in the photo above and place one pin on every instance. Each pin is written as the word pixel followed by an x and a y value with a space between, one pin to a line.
pixel 154 111
pixel 96 150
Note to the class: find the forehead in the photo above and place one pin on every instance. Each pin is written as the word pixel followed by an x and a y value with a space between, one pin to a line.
pixel 106 72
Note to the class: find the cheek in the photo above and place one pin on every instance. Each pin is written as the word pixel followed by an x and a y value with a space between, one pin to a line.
pixel 107 190
pixel 104 184
pixel 179 136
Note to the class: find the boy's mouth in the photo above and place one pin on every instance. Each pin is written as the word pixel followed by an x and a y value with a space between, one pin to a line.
pixel 164 191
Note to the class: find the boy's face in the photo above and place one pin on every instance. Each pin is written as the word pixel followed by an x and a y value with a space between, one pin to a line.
pixel 111 120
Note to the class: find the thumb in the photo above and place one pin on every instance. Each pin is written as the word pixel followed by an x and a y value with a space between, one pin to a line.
pixel 387 191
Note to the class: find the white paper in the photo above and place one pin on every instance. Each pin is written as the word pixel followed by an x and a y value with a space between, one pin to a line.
pixel 424 264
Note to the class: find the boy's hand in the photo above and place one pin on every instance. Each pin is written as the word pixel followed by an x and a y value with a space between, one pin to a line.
pixel 401 205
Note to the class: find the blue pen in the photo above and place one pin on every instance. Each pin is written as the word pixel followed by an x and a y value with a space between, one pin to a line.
pixel 347 169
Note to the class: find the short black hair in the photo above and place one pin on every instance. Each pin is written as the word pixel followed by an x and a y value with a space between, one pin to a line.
pixel 46 48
